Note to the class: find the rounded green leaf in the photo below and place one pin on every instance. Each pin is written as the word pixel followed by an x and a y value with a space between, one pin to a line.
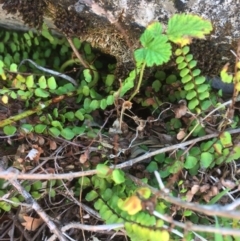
pixel 185 50
pixel 40 128
pixel 189 86
pixel 42 82
pixel 67 133
pixel 110 99
pixel 103 170
pixel 79 115
pixel 184 72
pixel 226 139
pixel 77 43
pixel 200 79
pixel 186 78
pixel 206 159
pixel 191 94
pixel 41 93
pixel 87 75
pixel 203 95
pixel 110 79
pixel 193 103
pixel 51 83
pixel 189 57
pixel 54 131
pixel 156 85
pixel 94 104
pixel 85 90
pixel 103 104
pixel 196 72
pixel 202 88
pixel 192 64
pixel 30 81
pixel 118 176
pixel 27 128
pixel 9 130
pixel 190 162
pixel 182 65
pixel 179 59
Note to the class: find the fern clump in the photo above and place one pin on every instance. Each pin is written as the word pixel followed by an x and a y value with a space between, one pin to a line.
pixel 194 83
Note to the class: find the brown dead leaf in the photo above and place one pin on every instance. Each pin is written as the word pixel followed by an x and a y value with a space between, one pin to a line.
pixel 84 157
pixel 31 224
pixel 53 145
pixel 127 105
pixel 41 140
pixel 181 134
pixel 181 110
pixel 195 188
pixel 204 188
pixel 228 184
pixel 189 196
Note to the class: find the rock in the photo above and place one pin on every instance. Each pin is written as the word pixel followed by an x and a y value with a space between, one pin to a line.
pixel 115 26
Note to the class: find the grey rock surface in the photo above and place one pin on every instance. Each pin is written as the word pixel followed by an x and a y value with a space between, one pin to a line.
pixel 223 13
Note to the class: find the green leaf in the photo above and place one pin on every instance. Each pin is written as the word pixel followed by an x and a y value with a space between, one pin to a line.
pixel 79 115
pixel 87 48
pixel 152 166
pixel 30 81
pixel 41 93
pixel 189 86
pixel 200 79
pixel 9 130
pixel 202 88
pixel 206 159
pixel 204 95
pixel 54 131
pixel 186 79
pixel 183 27
pixel 190 162
pixel 226 139
pixel 103 170
pixel 56 124
pixel 13 67
pixel 85 90
pixel 197 72
pixel 110 79
pixel 51 83
pixel 40 128
pixel 176 167
pixel 42 82
pixel 156 48
pixel 70 116
pixel 191 94
pixel 87 75
pixel 118 176
pixel 67 133
pixel 156 85
pixel 184 72
pixel 77 43
pixel 110 99
pixel 193 103
pixel 36 185
pixel 94 104
pixel 5 206
pixel 103 104
pixel 27 128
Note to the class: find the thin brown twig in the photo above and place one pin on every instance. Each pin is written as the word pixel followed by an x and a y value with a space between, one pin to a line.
pixel 29 199
pixel 91 228
pixel 69 176
pixel 81 60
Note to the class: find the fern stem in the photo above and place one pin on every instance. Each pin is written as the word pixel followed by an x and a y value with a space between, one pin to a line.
pixel 139 81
